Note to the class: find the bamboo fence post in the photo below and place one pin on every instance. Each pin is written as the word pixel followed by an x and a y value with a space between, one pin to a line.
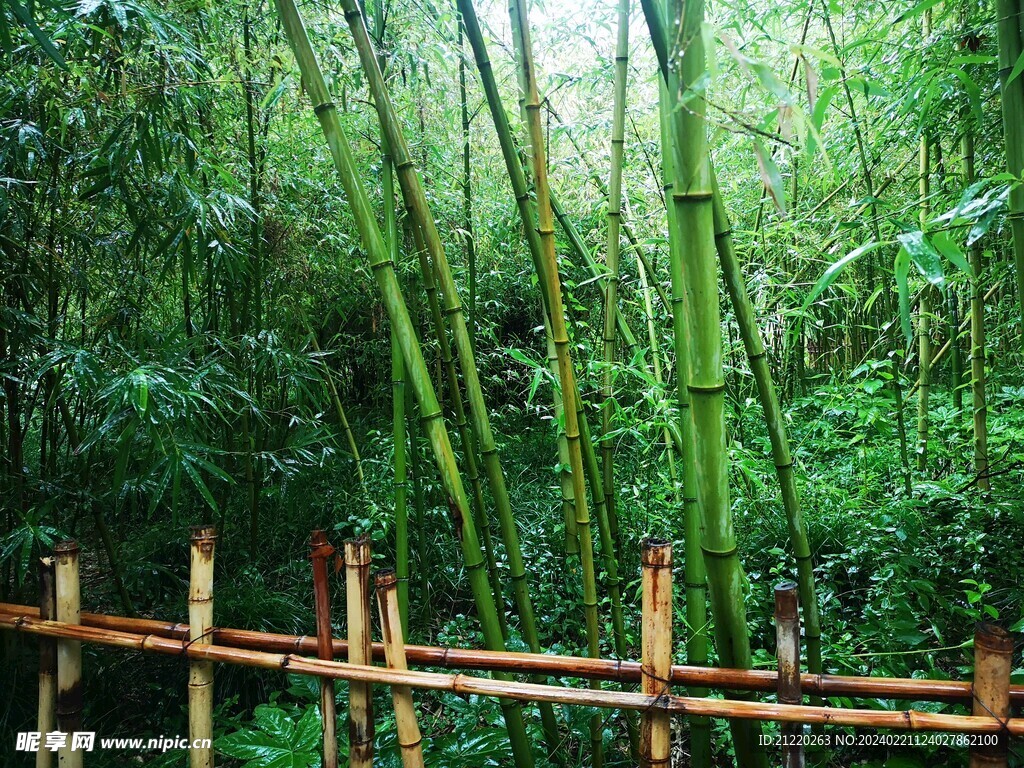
pixel 200 619
pixel 47 713
pixel 69 652
pixel 656 646
pixel 409 737
pixel 360 695
pixel 787 633
pixel 993 660
pixel 321 550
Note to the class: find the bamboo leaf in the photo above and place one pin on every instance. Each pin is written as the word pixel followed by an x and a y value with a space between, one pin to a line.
pixel 24 15
pixel 917 10
pixel 771 177
pixel 924 256
pixel 836 269
pixel 1018 67
pixel 948 248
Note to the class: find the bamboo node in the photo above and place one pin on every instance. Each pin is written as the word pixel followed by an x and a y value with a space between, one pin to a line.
pixel 717 553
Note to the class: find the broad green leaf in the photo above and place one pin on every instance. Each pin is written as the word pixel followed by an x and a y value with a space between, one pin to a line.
pixel 924 256
pixel 948 248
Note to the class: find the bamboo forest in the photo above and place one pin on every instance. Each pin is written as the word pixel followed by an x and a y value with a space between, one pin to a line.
pixel 525 383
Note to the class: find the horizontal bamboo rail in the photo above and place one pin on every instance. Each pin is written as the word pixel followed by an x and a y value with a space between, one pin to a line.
pixel 463 684
pixel 758 680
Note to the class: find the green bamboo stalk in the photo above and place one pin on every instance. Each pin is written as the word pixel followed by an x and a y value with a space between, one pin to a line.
pixel 956 363
pixel 685 67
pixel 566 375
pixel 695 574
pixel 783 459
pixel 612 256
pixel 350 437
pixel 659 376
pixel 979 405
pixel 397 368
pixel 1011 43
pixel 627 230
pixel 462 425
pixel 467 194
pixel 924 313
pixel 401 480
pixel 583 253
pixel 425 225
pixel 384 273
pixel 518 180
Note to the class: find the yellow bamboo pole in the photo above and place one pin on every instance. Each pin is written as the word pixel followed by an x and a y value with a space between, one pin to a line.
pixel 47 713
pixel 360 694
pixel 993 661
pixel 200 620
pixel 320 552
pixel 656 648
pixel 409 738
pixel 69 651
pixel 467 685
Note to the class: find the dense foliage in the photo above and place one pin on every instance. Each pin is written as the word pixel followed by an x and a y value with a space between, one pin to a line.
pixel 191 332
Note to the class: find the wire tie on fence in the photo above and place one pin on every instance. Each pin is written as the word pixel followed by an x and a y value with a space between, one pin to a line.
pixel 1004 727
pixel 188 644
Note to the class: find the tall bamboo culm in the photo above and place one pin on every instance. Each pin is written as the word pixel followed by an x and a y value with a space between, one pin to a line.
pixel 656 650
pixel 1011 43
pixel 692 200
pixel 781 455
pixel 518 179
pixel 69 652
pixel 46 719
pixel 203 540
pixel 993 661
pixel 614 219
pixel 398 428
pixel 924 317
pixel 409 737
pixel 416 367
pixel 320 552
pixel 424 223
pixel 694 573
pixel 979 405
pixel 357 607
pixel 566 376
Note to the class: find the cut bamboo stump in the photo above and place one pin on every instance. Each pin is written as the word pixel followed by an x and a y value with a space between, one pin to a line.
pixel 321 550
pixel 47 714
pixel 69 652
pixel 409 737
pixel 656 647
pixel 787 632
pixel 200 619
pixel 993 659
pixel 360 702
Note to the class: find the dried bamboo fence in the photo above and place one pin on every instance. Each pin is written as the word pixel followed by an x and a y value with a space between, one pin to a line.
pixel 993 697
